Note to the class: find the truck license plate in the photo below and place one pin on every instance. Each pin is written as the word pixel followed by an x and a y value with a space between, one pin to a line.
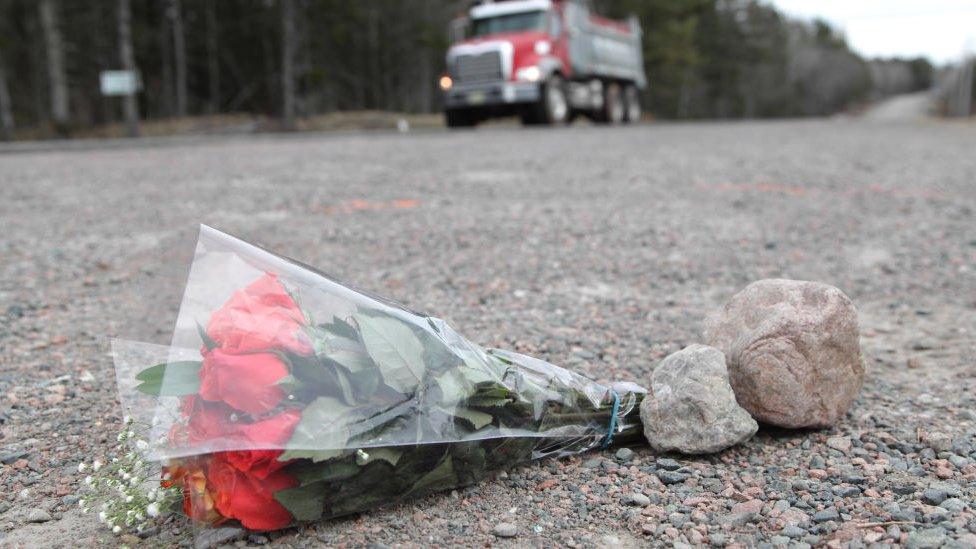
pixel 476 97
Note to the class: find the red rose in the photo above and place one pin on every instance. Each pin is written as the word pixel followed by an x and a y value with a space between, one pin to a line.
pixel 261 317
pixel 198 502
pixel 213 425
pixel 246 497
pixel 244 381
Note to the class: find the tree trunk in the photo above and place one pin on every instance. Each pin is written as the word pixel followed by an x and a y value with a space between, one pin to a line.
pixel 57 79
pixel 6 116
pixel 127 58
pixel 288 63
pixel 166 54
pixel 179 55
pixel 213 64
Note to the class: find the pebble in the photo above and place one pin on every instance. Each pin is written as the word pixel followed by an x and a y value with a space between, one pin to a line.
pixel 624 454
pixel 929 538
pixel 826 515
pixel 636 498
pixel 213 537
pixel 38 515
pixel 668 464
pixel 672 477
pixel 933 496
pixel 505 530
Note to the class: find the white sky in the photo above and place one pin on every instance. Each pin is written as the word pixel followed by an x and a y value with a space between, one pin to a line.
pixel 940 29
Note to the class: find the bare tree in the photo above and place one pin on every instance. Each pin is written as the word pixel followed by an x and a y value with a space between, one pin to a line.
pixel 6 110
pixel 128 64
pixel 288 47
pixel 57 78
pixel 213 66
pixel 179 55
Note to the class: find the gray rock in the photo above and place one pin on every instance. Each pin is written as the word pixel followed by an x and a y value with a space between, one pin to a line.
pixel 691 408
pixel 668 464
pixel 505 530
pixel 793 351
pixel 636 498
pixel 930 538
pixel 827 514
pixel 672 477
pixel 213 537
pixel 934 496
pixel 38 515
pixel 953 505
pixel 624 454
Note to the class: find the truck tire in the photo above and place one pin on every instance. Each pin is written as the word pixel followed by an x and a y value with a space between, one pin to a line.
pixel 614 109
pixel 632 104
pixel 553 106
pixel 459 118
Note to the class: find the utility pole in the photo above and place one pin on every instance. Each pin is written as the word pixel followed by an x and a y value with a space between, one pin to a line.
pixel 6 116
pixel 288 63
pixel 179 55
pixel 128 64
pixel 57 78
pixel 213 62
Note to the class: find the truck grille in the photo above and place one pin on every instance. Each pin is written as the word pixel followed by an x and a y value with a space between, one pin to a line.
pixel 478 68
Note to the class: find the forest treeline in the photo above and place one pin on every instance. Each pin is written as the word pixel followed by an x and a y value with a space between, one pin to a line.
pixel 294 58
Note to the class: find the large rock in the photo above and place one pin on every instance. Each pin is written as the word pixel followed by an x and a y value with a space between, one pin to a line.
pixel 691 407
pixel 793 351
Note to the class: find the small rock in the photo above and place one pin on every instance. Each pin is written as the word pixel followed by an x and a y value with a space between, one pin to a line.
pixel 827 514
pixel 929 538
pixel 934 496
pixel 953 505
pixel 668 464
pixel 672 477
pixel 793 351
pixel 9 459
pixel 38 515
pixel 691 407
pixel 212 537
pixel 940 442
pixel 624 454
pixel 841 444
pixel 505 530
pixel 636 498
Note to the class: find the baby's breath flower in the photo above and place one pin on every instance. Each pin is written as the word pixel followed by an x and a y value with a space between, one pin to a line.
pixel 82 467
pixel 116 529
pixel 152 509
pixel 96 465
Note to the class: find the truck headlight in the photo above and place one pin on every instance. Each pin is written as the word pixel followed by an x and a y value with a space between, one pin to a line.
pixel 543 47
pixel 528 74
pixel 446 82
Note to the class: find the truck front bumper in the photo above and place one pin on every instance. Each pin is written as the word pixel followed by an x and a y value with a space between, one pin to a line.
pixel 490 94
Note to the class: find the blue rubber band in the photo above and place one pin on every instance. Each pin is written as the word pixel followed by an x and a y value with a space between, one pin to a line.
pixel 613 420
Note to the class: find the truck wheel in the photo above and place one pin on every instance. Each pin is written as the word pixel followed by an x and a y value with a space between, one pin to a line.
pixel 613 104
pixel 555 105
pixel 459 118
pixel 632 101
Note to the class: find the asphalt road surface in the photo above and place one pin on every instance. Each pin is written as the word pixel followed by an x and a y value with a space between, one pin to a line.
pixel 597 249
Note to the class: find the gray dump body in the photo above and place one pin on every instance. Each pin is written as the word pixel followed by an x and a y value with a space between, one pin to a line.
pixel 604 50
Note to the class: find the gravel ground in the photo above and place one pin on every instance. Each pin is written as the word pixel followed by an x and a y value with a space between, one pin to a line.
pixel 597 249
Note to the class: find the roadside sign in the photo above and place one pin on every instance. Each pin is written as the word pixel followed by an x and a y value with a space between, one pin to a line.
pixel 119 82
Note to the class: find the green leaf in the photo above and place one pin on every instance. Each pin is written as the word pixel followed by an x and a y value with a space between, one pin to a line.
pixel 440 478
pixel 475 418
pixel 395 348
pixel 388 455
pixel 304 502
pixel 208 342
pixel 487 402
pixel 323 430
pixel 307 472
pixel 170 379
pixel 314 455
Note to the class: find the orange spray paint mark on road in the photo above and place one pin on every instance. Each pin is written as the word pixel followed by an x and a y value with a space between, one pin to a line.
pixel 360 205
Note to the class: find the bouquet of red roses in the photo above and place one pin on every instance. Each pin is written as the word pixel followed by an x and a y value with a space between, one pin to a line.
pixel 287 396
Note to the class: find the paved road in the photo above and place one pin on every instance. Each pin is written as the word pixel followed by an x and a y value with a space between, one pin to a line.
pixel 598 249
pixel 907 107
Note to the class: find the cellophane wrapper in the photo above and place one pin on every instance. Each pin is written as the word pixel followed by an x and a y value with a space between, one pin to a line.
pixel 286 396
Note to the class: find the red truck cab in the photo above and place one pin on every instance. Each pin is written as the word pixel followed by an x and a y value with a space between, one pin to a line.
pixel 546 61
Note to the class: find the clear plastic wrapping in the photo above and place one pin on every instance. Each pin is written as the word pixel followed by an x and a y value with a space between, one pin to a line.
pixel 287 396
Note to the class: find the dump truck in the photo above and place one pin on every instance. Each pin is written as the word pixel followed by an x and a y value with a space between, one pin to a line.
pixel 545 61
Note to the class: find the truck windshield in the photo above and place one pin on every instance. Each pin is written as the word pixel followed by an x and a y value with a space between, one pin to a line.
pixel 515 22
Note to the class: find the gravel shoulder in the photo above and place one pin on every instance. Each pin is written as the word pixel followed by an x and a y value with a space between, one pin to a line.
pixel 598 249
